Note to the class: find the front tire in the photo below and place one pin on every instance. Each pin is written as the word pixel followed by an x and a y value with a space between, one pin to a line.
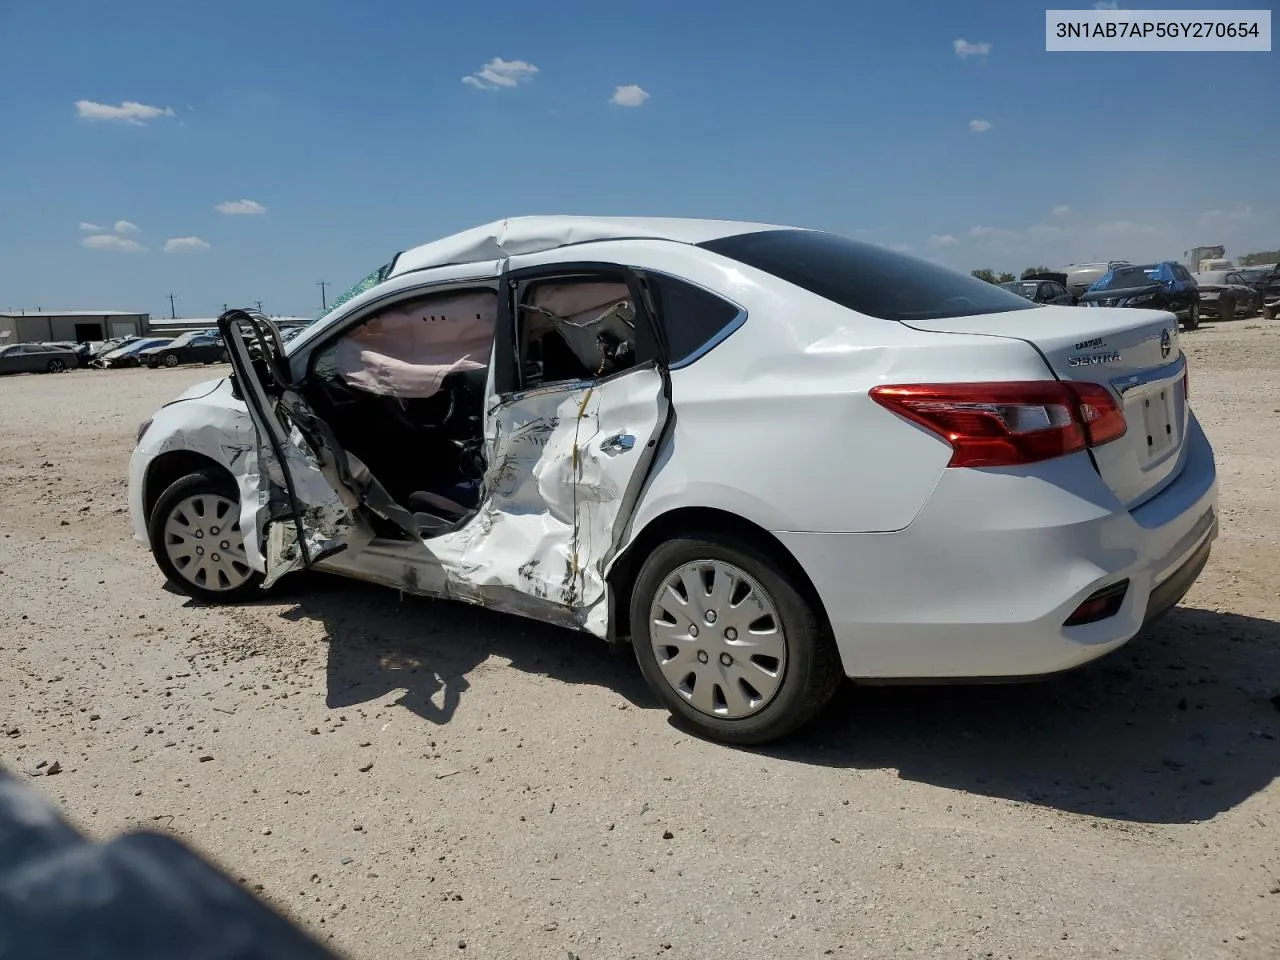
pixel 728 642
pixel 195 536
pixel 57 366
pixel 1193 318
pixel 170 360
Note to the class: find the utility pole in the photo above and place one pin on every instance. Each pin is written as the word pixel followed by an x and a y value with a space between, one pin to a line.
pixel 324 305
pixel 259 303
pixel 173 314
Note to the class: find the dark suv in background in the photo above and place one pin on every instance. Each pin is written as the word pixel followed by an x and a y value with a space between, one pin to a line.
pixel 1151 286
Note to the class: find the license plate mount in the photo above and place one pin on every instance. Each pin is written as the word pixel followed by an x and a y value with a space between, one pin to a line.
pixel 1157 420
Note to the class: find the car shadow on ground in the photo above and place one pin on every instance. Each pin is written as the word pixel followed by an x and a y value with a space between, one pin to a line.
pixel 1175 727
pixel 380 641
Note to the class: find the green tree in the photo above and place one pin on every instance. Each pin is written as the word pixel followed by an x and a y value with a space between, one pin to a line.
pixel 1261 257
pixel 1031 271
pixel 985 274
pixel 1005 277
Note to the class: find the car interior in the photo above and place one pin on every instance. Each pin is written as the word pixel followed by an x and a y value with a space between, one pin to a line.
pixel 404 390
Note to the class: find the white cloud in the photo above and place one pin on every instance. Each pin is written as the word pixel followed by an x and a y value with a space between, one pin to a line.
pixel 982 231
pixel 124 226
pixel 1238 212
pixel 942 240
pixel 979 126
pixel 1061 210
pixel 240 207
pixel 129 112
pixel 901 247
pixel 184 244
pixel 629 96
pixel 1107 5
pixel 108 242
pixel 1127 228
pixel 498 73
pixel 964 48
pixel 90 227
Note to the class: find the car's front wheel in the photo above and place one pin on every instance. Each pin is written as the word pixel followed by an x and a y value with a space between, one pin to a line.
pixel 170 360
pixel 728 642
pixel 196 539
pixel 57 366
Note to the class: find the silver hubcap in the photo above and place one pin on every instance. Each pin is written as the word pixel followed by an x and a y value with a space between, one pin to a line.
pixel 171 361
pixel 718 639
pixel 202 539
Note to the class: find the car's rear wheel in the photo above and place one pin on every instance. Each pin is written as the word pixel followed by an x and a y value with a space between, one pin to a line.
pixel 170 359
pixel 728 642
pixel 196 539
pixel 1268 313
pixel 1193 318
pixel 57 366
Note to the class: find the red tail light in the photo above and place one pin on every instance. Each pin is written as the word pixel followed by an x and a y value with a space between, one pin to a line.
pixel 1004 424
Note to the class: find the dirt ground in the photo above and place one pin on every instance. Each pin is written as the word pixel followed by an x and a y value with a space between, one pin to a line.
pixel 406 777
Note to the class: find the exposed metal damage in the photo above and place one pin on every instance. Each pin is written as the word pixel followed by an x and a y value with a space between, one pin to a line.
pixel 540 538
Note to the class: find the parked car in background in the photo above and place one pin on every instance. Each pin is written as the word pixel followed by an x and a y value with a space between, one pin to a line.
pixel 202 346
pixel 1080 276
pixel 127 355
pixel 1265 281
pixel 91 350
pixel 1042 291
pixel 36 358
pixel 626 427
pixel 1153 286
pixel 1226 294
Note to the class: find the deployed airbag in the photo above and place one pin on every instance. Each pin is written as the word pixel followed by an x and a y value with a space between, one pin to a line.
pixel 408 350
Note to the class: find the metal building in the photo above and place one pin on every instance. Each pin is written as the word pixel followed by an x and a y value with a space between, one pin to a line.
pixel 76 326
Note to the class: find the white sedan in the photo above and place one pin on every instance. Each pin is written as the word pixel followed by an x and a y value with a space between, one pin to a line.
pixel 767 457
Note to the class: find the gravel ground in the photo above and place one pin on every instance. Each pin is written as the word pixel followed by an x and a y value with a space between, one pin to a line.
pixel 406 777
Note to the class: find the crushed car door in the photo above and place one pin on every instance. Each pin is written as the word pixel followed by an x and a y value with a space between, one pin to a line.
pixel 302 498
pixel 571 429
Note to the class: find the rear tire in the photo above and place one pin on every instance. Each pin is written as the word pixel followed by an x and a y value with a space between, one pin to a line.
pixel 191 504
pixel 706 654
pixel 1226 309
pixel 1193 318
pixel 57 366
pixel 1268 313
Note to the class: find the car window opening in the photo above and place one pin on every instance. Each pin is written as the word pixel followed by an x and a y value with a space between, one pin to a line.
pixel 403 392
pixel 573 330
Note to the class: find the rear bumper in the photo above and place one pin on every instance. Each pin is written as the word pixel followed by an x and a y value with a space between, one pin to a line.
pixel 980 584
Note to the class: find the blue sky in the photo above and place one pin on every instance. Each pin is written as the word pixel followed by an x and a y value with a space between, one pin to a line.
pixel 350 126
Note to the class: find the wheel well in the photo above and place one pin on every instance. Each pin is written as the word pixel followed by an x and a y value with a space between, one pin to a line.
pixel 175 465
pixel 702 520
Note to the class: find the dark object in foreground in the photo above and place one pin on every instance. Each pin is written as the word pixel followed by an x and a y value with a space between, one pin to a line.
pixel 142 896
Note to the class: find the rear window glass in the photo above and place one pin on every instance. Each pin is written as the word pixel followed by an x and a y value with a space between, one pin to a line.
pixel 692 318
pixel 872 280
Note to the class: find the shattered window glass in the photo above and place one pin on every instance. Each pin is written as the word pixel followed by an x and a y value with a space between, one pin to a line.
pixel 367 283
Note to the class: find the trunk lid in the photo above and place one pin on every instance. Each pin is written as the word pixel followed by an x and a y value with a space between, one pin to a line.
pixel 1135 353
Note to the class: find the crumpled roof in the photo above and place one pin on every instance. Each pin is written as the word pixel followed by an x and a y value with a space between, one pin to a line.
pixel 521 235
